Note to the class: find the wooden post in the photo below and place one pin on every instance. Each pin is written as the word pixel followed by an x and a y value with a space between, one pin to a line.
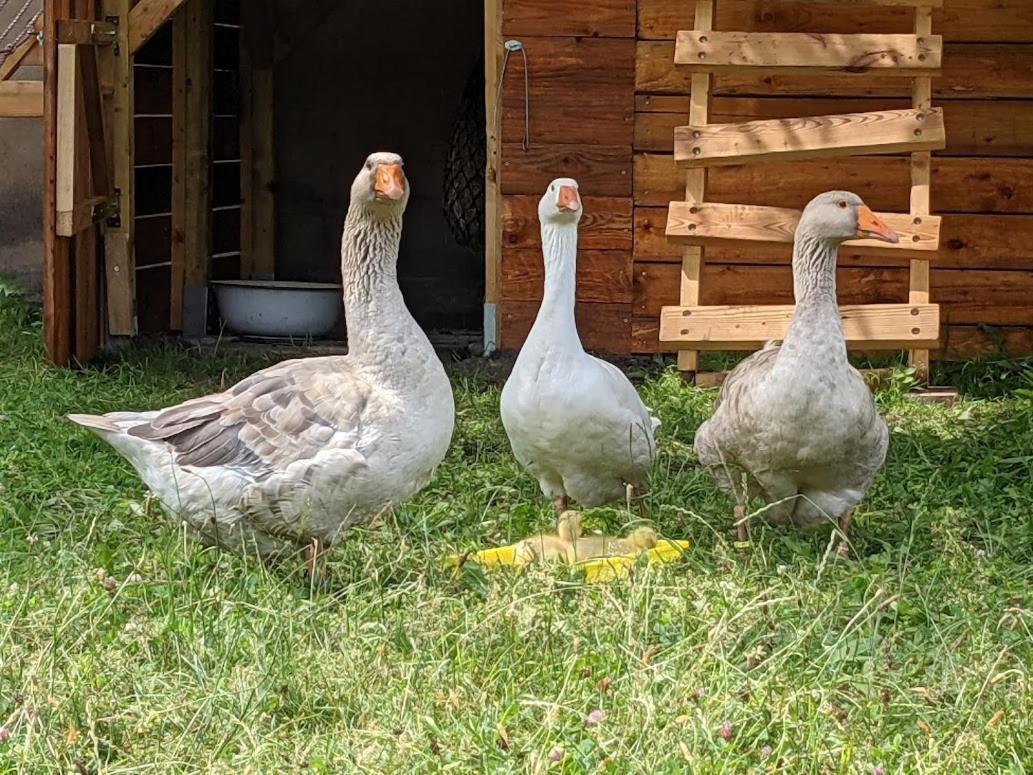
pixel 197 209
pixel 493 54
pixel 180 54
pixel 257 144
pixel 119 256
pixel 921 163
pixel 695 186
pixel 57 268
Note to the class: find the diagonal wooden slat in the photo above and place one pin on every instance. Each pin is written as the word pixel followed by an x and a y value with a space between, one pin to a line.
pixel 867 326
pixel 813 137
pixel 146 18
pixel 811 54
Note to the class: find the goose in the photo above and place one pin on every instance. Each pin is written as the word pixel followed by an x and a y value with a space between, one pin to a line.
pixel 296 454
pixel 796 421
pixel 575 422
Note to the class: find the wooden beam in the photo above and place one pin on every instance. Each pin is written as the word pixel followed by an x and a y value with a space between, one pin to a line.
pixel 921 165
pixel 493 54
pixel 710 223
pixel 57 267
pixel 21 99
pixel 263 172
pixel 86 32
pixel 866 326
pixel 908 3
pixel 147 18
pixel 119 236
pixel 180 168
pixel 696 183
pixel 197 167
pixel 848 134
pixel 69 106
pixel 803 53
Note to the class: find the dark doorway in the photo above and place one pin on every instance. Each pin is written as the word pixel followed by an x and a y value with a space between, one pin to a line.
pixel 382 76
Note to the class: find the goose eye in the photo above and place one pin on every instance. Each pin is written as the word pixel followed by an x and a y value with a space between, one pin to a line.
pixel 841 204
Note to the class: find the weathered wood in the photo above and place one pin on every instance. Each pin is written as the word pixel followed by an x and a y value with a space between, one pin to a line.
pixel 602 275
pixel 921 175
pixel 705 223
pixel 957 343
pixel 57 266
pixel 86 32
pixel 964 296
pixel 600 18
pixel 600 170
pixel 602 327
pixel 493 58
pixel 960 185
pixel 69 107
pixel 180 169
pixel 119 240
pixel 871 326
pixel 967 241
pixel 969 71
pixel 581 91
pixel 146 18
pixel 966 20
pixel 817 54
pixel 976 127
pixel 846 134
pixel 197 217
pixel 263 173
pixel 605 224
pixel 21 99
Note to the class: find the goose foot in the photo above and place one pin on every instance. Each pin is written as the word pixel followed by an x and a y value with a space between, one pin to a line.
pixel 741 529
pixel 844 525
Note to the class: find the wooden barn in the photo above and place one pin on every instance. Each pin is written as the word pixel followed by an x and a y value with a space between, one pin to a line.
pixel 193 140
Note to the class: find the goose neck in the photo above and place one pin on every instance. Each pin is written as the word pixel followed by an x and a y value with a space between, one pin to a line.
pixel 559 247
pixel 375 313
pixel 816 330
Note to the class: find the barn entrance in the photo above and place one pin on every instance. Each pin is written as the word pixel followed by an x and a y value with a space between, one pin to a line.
pixel 400 76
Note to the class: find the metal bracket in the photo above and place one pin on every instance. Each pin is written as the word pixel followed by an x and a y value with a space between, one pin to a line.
pixel 109 211
pixel 116 49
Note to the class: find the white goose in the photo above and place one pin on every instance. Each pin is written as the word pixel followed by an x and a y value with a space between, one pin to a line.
pixel 575 422
pixel 797 420
pixel 297 453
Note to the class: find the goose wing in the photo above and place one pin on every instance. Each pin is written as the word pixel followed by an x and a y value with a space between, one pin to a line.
pixel 288 412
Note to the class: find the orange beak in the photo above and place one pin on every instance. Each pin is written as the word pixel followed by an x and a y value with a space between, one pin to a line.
pixel 568 199
pixel 870 226
pixel 390 183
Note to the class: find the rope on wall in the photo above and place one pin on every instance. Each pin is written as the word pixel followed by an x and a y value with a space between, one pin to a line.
pixel 511 47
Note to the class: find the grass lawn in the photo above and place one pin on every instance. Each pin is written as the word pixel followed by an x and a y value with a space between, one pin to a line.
pixel 125 647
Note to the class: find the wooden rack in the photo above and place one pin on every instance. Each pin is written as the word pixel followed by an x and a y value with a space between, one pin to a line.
pixel 697 223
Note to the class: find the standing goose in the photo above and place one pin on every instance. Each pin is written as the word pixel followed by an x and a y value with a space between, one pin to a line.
pixel 575 422
pixel 297 453
pixel 797 421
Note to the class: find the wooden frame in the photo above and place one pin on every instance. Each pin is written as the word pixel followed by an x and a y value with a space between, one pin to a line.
pixel 493 55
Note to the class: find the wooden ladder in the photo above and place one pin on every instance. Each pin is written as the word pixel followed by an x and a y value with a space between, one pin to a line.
pixel 697 223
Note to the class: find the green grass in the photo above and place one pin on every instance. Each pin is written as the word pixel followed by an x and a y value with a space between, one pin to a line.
pixel 124 646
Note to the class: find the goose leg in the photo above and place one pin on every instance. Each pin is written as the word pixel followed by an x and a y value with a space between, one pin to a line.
pixel 560 504
pixel 844 525
pixel 741 529
pixel 313 552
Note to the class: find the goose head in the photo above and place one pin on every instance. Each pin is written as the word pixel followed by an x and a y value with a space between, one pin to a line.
pixel 381 185
pixel 561 203
pixel 838 216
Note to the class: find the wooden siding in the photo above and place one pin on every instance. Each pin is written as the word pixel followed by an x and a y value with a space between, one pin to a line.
pixel 582 114
pixel 981 183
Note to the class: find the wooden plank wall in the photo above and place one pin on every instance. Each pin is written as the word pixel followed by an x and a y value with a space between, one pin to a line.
pixel 153 168
pixel 581 63
pixel 982 183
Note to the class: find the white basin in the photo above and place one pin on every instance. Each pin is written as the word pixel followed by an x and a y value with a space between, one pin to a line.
pixel 278 307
